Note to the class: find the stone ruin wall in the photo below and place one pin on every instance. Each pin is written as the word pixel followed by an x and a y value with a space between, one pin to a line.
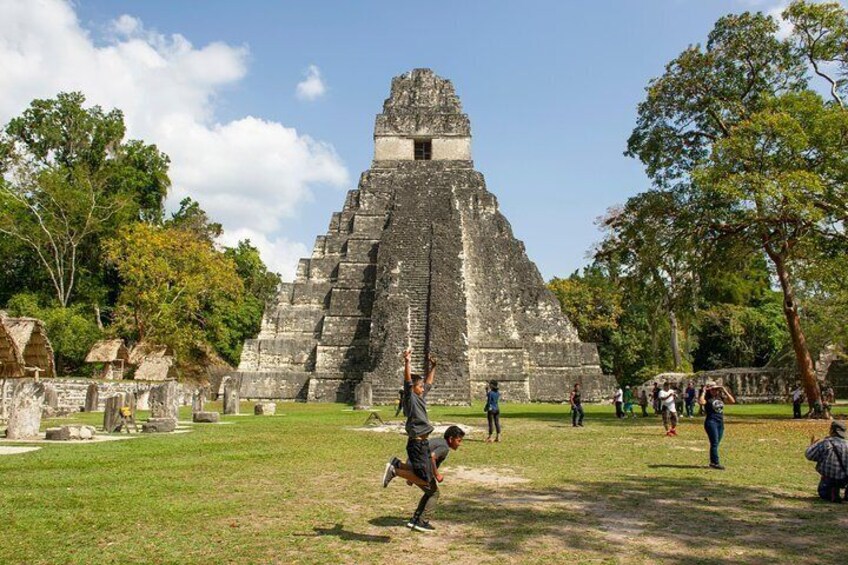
pixel 748 384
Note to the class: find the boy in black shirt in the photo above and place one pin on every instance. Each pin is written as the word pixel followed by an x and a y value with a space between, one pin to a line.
pixel 418 468
pixel 439 450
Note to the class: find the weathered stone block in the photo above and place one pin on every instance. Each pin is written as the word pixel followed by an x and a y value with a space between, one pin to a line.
pixel 362 395
pixel 25 411
pixel 264 409
pixel 159 425
pixel 164 401
pixel 58 434
pixel 70 432
pixel 206 417
pixel 231 396
pixel 92 398
pixel 112 413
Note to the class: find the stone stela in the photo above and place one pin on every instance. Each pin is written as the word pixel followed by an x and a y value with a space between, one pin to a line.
pixel 418 257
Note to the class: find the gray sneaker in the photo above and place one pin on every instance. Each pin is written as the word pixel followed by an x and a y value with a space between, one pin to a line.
pixel 388 475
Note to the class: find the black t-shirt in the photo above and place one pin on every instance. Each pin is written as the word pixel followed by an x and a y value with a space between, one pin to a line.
pixel 440 450
pixel 576 398
pixel 714 407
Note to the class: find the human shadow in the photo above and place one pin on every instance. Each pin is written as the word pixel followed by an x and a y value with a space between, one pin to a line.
pixel 698 518
pixel 672 466
pixel 387 521
pixel 339 531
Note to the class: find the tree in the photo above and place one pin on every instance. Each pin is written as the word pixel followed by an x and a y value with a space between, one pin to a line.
pixel 69 180
pixel 171 280
pixel 760 158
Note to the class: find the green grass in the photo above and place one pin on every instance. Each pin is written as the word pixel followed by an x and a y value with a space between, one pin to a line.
pixel 303 487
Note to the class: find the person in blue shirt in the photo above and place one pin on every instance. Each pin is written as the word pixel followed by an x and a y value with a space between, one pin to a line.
pixel 493 410
pixel 689 398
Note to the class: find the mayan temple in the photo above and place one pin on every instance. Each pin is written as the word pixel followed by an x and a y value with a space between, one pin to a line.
pixel 418 257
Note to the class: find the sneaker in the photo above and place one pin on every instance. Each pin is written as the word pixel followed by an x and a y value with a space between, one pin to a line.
pixel 669 433
pixel 395 462
pixel 411 523
pixel 674 432
pixel 422 526
pixel 717 466
pixel 388 475
pixel 579 425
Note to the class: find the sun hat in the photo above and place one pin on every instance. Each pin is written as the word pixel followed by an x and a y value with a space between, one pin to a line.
pixel 837 428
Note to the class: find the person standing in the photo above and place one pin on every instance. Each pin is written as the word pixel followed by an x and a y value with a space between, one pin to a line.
pixel 628 401
pixel 618 400
pixel 797 400
pixel 493 410
pixel 643 402
pixel 689 398
pixel 668 399
pixel 713 398
pixel 831 457
pixel 576 407
pixel 655 398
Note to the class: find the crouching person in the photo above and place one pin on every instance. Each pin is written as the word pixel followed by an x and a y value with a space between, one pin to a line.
pixel 831 457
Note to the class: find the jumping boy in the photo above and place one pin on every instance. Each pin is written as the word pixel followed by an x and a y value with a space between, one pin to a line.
pixel 439 450
pixel 668 399
pixel 418 468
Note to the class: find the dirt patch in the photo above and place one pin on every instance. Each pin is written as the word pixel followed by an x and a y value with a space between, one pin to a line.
pixel 398 428
pixel 487 476
pixel 10 450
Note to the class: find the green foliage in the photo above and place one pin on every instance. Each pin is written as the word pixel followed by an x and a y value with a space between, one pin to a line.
pixel 739 336
pixel 69 181
pixel 171 280
pixel 72 331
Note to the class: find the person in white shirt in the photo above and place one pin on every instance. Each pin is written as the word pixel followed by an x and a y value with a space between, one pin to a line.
pixel 669 410
pixel 618 398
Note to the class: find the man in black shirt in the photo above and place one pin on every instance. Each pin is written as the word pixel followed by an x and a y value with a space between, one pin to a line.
pixel 439 450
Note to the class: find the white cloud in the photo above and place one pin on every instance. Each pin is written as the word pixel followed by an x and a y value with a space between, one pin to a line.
pixel 312 86
pixel 249 174
pixel 284 253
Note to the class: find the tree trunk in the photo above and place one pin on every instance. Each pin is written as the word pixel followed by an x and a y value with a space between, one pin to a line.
pixel 675 344
pixel 97 317
pixel 799 342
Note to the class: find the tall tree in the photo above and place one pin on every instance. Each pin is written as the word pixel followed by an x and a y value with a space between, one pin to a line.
pixel 68 179
pixel 760 158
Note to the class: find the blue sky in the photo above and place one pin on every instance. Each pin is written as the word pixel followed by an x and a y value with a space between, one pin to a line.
pixel 551 89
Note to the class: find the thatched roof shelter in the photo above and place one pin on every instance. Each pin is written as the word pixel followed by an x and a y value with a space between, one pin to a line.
pixel 156 369
pixel 144 350
pixel 11 360
pixel 30 339
pixel 108 351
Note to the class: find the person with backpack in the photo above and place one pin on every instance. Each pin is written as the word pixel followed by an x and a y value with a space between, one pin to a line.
pixel 831 457
pixel 493 411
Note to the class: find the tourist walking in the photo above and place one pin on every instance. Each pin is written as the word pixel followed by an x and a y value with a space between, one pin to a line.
pixel 668 399
pixel 713 398
pixel 797 400
pixel 643 402
pixel 618 400
pixel 576 406
pixel 831 457
pixel 628 401
pixel 689 399
pixel 493 411
pixel 655 398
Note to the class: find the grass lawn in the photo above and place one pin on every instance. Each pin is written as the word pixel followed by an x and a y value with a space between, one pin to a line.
pixel 303 487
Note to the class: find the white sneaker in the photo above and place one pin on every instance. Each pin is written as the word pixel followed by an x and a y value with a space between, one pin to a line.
pixel 388 475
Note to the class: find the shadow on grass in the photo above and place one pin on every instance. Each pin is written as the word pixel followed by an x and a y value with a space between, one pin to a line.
pixel 661 519
pixel 339 532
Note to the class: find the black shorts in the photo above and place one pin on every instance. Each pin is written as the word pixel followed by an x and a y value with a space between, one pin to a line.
pixel 418 452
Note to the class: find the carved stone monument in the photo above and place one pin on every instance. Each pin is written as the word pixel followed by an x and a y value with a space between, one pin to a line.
pixel 419 257
pixel 92 398
pixel 25 411
pixel 231 396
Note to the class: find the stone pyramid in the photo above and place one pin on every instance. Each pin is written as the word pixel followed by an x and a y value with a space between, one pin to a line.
pixel 418 257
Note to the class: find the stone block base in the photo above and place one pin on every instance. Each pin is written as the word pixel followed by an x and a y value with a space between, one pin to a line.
pixel 68 433
pixel 265 409
pixel 159 425
pixel 206 417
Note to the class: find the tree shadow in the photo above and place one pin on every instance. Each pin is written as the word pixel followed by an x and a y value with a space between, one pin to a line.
pixel 339 532
pixel 660 519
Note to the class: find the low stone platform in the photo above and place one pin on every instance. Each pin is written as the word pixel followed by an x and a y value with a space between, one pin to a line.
pixel 206 417
pixel 70 433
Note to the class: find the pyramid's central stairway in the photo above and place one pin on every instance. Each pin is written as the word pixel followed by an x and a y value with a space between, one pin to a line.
pixel 419 257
